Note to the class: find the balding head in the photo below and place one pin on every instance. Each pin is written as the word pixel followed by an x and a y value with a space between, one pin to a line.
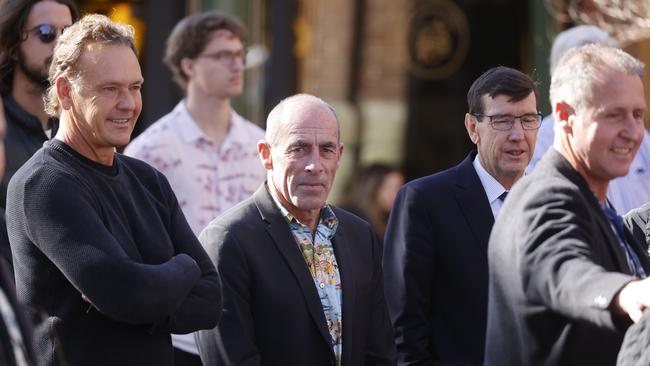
pixel 281 113
pixel 301 153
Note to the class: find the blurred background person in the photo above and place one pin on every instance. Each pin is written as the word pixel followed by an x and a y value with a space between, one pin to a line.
pixel 373 193
pixel 28 32
pixel 15 335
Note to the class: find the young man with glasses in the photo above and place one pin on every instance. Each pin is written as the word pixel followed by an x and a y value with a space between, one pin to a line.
pixel 206 150
pixel 435 250
pixel 28 33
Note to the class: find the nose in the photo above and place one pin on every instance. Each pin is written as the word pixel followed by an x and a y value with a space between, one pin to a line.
pixel 127 101
pixel 238 63
pixel 314 164
pixel 633 129
pixel 517 130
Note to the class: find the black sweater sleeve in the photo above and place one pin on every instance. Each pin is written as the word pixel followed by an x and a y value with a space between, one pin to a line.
pixel 62 220
pixel 202 307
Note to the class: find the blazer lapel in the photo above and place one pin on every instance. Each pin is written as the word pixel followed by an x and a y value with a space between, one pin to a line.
pixel 346 269
pixel 559 163
pixel 473 202
pixel 282 238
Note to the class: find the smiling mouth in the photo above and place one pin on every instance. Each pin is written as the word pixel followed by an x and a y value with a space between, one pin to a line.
pixel 122 121
pixel 621 150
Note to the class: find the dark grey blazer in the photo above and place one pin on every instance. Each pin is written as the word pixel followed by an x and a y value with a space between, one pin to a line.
pixel 435 267
pixel 555 267
pixel 272 311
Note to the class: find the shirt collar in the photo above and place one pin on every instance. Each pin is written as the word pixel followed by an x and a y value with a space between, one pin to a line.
pixel 327 216
pixel 493 189
pixel 192 133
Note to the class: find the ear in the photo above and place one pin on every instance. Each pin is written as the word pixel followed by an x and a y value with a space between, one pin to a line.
pixel 341 148
pixel 187 67
pixel 564 115
pixel 471 125
pixel 63 92
pixel 264 152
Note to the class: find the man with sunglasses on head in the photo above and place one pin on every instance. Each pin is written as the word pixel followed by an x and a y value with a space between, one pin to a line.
pixel 28 32
pixel 435 250
pixel 206 150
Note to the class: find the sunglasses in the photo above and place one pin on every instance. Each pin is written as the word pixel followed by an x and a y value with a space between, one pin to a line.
pixel 47 33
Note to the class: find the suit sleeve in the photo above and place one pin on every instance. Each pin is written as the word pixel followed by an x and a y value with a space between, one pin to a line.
pixel 201 308
pixel 232 342
pixel 637 222
pixel 562 235
pixel 65 225
pixel 381 339
pixel 408 271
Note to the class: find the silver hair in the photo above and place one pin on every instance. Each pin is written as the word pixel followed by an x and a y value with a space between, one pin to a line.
pixel 584 66
pixel 575 37
pixel 275 119
pixel 93 28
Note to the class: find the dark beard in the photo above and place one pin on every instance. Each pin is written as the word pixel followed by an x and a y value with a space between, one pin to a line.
pixel 35 75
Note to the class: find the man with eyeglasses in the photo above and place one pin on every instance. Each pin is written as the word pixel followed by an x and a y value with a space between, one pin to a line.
pixel 435 250
pixel 28 31
pixel 566 277
pixel 206 150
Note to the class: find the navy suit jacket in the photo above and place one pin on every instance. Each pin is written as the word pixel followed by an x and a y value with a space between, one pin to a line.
pixel 272 311
pixel 435 268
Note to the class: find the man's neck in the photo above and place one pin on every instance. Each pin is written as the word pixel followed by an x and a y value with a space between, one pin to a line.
pixel 309 218
pixel 29 97
pixel 212 115
pixel 597 186
pixel 70 134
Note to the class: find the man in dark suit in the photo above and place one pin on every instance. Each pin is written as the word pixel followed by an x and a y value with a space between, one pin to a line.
pixel 435 254
pixel 564 272
pixel 302 279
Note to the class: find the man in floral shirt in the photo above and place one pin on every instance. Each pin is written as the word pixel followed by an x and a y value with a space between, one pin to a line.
pixel 204 148
pixel 302 279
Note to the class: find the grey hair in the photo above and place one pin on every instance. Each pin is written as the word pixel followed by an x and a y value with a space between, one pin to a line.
pixel 584 66
pixel 275 119
pixel 576 37
pixel 93 28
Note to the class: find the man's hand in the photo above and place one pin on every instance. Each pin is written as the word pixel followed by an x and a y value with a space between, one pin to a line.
pixel 634 298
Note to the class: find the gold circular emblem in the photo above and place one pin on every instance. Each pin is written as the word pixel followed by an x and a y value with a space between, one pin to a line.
pixel 438 39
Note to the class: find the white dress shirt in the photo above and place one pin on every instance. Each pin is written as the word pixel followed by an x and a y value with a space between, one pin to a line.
pixel 493 189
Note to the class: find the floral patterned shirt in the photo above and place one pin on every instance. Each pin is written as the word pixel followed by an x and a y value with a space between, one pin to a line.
pixel 319 255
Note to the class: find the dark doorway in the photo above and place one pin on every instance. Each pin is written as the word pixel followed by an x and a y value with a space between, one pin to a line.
pixel 451 43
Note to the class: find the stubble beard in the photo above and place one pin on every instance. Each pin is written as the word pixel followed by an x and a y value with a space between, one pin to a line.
pixel 37 76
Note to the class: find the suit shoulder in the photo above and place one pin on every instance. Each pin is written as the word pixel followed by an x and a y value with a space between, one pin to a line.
pixel 434 183
pixel 237 217
pixel 639 215
pixel 349 218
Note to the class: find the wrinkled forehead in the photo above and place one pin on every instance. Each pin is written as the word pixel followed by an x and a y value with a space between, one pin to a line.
pixel 309 120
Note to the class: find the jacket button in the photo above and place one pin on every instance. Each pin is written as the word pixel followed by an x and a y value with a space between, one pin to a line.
pixel 600 301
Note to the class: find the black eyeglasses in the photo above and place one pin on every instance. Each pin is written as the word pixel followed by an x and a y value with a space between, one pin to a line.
pixel 504 122
pixel 46 33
